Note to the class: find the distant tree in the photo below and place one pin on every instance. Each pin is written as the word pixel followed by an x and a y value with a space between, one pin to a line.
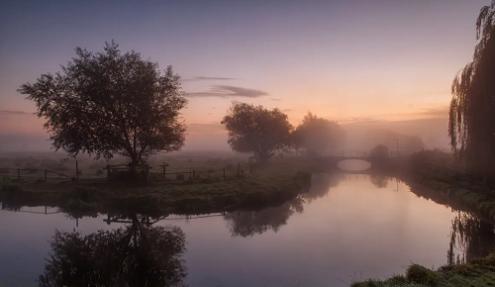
pixel 472 108
pixel 380 152
pixel 110 103
pixel 317 135
pixel 257 130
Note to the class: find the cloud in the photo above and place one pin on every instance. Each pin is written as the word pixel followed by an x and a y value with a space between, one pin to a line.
pixel 14 112
pixel 223 91
pixel 206 78
pixel 437 112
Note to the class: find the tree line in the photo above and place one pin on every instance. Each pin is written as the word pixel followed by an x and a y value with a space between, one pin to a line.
pixel 109 102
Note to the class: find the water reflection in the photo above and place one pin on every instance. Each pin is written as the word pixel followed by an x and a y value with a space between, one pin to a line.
pixel 379 180
pixel 471 238
pixel 137 255
pixel 247 223
pixel 321 183
pixel 345 228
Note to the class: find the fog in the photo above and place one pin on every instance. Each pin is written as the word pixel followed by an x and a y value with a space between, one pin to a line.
pixel 24 133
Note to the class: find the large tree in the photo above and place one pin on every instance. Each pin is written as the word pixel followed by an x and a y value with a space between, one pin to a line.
pixel 317 135
pixel 257 130
pixel 472 108
pixel 110 102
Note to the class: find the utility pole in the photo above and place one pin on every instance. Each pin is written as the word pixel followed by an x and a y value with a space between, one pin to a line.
pixel 397 147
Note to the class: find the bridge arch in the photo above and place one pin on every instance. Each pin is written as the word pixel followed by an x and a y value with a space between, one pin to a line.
pixel 354 165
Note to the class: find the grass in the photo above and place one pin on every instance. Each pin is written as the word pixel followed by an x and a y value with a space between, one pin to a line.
pixel 444 182
pixel 478 273
pixel 433 175
pixel 268 185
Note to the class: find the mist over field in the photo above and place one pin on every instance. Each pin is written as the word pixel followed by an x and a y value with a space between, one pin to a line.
pixel 23 132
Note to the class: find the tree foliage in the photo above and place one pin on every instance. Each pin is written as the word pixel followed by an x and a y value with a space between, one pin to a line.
pixel 137 255
pixel 472 108
pixel 317 135
pixel 257 130
pixel 110 102
pixel 379 152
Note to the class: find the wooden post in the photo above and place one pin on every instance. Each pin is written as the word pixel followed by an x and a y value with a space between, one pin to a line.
pixel 46 175
pixel 77 170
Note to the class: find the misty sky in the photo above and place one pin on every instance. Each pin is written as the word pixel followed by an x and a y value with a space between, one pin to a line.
pixel 344 60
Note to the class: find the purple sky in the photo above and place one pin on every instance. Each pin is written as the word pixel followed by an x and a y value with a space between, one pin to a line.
pixel 343 60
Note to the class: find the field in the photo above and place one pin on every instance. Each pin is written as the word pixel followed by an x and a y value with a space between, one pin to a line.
pixel 271 184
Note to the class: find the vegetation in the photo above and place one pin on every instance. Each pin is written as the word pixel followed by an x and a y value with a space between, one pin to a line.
pixel 137 255
pixel 317 136
pixel 437 175
pixel 109 103
pixel 257 130
pixel 472 108
pixel 271 184
pixel 478 273
pixel 380 152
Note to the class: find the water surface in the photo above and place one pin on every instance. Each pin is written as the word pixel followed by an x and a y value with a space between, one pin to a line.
pixel 344 229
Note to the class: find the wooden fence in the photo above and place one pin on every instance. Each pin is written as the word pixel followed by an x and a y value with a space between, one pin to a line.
pixel 34 174
pixel 192 174
pixel 161 174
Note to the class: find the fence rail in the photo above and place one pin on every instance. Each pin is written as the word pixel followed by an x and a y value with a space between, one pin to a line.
pixel 153 175
pixel 34 174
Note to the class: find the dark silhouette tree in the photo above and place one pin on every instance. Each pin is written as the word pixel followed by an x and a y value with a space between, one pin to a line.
pixel 472 108
pixel 110 102
pixel 317 135
pixel 257 130
pixel 379 153
pixel 134 256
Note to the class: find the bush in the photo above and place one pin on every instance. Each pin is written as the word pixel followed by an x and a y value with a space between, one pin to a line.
pixel 421 275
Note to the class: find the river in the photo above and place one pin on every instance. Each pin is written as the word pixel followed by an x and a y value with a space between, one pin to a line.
pixel 345 228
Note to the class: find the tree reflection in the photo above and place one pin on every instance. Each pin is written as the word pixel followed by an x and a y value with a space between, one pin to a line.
pixel 471 238
pixel 250 222
pixel 321 184
pixel 136 255
pixel 379 180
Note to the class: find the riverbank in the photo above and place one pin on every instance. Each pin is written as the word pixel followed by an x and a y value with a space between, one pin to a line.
pixel 478 273
pixel 435 176
pixel 268 185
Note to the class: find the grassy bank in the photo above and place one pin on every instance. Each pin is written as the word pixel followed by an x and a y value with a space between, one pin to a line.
pixel 267 185
pixel 436 176
pixel 478 273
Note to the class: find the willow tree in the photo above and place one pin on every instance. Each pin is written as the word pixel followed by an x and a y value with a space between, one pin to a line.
pixel 472 108
pixel 109 103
